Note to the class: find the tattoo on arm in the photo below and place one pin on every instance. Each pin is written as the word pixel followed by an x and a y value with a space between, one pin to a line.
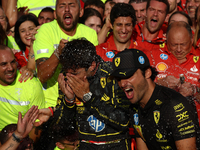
pixel 10 146
pixel 41 60
pixel 14 139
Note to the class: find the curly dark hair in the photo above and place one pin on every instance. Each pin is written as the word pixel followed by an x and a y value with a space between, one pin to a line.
pixel 122 10
pixel 79 53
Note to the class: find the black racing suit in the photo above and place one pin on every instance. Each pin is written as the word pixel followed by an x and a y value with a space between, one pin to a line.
pixel 102 119
pixel 167 117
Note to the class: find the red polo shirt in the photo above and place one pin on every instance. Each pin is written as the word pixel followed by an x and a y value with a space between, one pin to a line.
pixel 167 64
pixel 108 50
pixel 142 43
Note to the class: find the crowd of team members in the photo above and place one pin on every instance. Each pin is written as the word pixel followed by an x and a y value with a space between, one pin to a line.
pixel 32 66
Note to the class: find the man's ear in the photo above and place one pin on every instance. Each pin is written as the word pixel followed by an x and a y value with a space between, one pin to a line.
pixel 60 145
pixel 81 12
pixel 54 14
pixel 93 66
pixel 111 26
pixel 148 73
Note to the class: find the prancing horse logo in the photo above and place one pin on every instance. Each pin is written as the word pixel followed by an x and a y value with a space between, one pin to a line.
pixel 117 61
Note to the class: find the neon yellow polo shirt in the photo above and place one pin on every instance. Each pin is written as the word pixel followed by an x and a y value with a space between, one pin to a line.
pixel 12 43
pixel 19 97
pixel 56 148
pixel 35 6
pixel 47 40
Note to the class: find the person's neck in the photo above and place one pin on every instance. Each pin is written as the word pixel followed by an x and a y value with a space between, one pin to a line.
pixel 71 32
pixel 182 60
pixel 28 47
pixel 169 14
pixel 151 86
pixel 149 36
pixel 194 23
pixel 122 46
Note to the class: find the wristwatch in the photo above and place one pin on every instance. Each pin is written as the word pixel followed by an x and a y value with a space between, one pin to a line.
pixel 87 96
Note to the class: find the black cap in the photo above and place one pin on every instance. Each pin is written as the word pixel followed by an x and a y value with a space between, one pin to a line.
pixel 127 62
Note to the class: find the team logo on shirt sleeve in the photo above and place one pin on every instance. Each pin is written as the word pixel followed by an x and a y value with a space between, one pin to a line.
pixel 195 59
pixel 117 61
pixel 156 115
pixel 110 54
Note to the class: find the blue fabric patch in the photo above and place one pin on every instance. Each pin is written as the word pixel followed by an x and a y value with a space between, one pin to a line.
pixel 95 123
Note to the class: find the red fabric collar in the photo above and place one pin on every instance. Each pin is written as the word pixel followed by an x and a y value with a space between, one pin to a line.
pixel 111 42
pixel 161 34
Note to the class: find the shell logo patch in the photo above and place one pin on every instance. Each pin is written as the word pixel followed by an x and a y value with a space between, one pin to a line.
pixel 156 115
pixel 162 45
pixel 117 61
pixel 161 67
pixel 110 54
pixel 103 82
pixel 195 58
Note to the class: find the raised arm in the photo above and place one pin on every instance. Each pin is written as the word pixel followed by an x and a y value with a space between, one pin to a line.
pixel 49 64
pixel 24 126
pixel 141 144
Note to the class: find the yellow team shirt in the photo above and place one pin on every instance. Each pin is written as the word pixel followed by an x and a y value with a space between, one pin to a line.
pixel 19 97
pixel 47 40
pixel 56 148
pixel 35 6
pixel 12 43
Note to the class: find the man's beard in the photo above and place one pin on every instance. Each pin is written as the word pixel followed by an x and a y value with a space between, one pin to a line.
pixel 74 23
